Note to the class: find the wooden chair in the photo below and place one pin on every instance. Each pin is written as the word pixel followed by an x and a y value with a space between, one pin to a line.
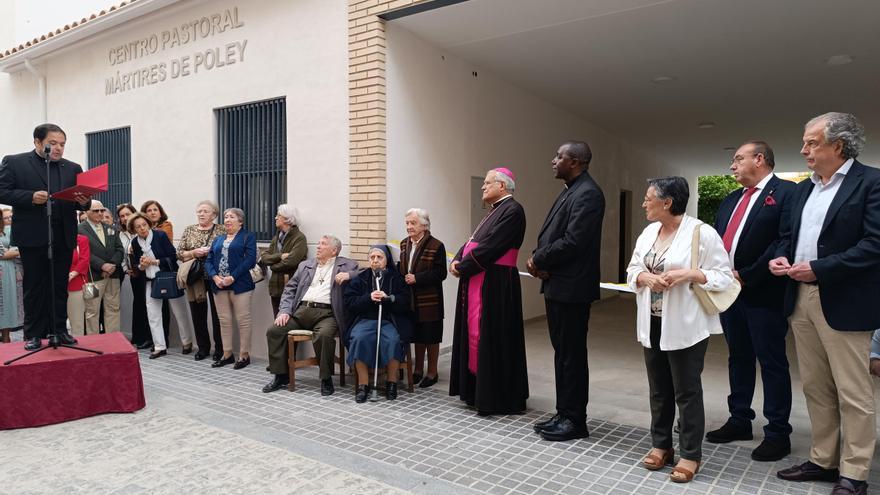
pixel 294 338
pixel 5 338
pixel 406 368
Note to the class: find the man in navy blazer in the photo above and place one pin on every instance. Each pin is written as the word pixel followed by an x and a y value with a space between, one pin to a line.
pixel 567 262
pixel 24 186
pixel 830 257
pixel 748 222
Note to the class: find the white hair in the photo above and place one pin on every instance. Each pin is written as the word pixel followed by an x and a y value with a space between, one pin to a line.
pixel 334 241
pixel 289 213
pixel 509 183
pixel 422 215
pixel 843 127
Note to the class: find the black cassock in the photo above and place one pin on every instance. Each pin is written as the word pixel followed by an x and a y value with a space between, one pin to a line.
pixel 488 345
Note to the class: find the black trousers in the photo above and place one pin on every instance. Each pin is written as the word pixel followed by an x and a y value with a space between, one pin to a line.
pixel 755 332
pixel 37 295
pixel 568 324
pixel 199 312
pixel 674 379
pixel 140 326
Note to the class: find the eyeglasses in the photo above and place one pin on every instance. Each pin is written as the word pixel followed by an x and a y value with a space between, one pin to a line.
pixel 102 210
pixel 739 158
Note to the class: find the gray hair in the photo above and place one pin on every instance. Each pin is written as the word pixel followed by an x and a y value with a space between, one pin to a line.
pixel 674 188
pixel 843 127
pixel 334 241
pixel 235 211
pixel 422 215
pixel 210 204
pixel 509 183
pixel 289 213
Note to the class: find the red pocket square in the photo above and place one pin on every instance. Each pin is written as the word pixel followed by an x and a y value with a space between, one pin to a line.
pixel 769 201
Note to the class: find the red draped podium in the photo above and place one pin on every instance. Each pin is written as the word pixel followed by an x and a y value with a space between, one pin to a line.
pixel 61 384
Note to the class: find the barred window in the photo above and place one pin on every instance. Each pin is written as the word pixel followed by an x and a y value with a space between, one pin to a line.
pixel 252 161
pixel 112 147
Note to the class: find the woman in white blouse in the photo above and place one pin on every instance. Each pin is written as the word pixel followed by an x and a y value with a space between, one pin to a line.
pixel 671 325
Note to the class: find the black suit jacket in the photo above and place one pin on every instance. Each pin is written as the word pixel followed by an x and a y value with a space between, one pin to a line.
pixel 759 240
pixel 111 252
pixel 848 266
pixel 569 243
pixel 23 174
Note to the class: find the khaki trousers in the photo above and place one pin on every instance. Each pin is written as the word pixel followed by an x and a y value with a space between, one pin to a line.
pixel 235 309
pixel 108 288
pixel 837 386
pixel 322 323
pixel 76 312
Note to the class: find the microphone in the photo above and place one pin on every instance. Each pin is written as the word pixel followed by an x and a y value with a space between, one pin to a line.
pixel 47 150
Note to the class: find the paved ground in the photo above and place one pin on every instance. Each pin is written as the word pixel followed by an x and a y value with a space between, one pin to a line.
pixel 212 431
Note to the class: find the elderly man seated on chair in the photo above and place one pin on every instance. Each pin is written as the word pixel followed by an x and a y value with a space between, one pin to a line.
pixel 312 300
pixel 364 297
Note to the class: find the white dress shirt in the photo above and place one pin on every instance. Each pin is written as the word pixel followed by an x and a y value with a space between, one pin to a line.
pixel 815 209
pixel 684 322
pixel 319 291
pixel 760 187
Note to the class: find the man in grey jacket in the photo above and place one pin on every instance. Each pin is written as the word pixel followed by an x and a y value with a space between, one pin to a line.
pixel 312 300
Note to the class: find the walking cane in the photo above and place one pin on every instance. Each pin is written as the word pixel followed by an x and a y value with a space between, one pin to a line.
pixel 374 397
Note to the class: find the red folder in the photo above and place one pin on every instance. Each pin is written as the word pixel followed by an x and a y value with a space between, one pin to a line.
pixel 88 183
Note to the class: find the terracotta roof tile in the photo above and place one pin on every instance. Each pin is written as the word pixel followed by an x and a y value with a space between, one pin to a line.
pixel 67 27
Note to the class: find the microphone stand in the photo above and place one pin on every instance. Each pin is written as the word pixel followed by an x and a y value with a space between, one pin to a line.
pixel 54 338
pixel 374 397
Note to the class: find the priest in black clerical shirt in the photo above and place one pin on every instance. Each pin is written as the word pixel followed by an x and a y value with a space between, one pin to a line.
pixel 488 346
pixel 24 186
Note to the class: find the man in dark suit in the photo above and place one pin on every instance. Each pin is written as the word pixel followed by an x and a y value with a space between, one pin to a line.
pixel 24 185
pixel 754 326
pixel 567 262
pixel 105 266
pixel 831 257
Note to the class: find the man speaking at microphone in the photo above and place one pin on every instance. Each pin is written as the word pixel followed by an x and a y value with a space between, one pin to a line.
pixel 24 185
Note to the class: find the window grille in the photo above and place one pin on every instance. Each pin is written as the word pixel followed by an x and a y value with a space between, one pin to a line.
pixel 252 162
pixel 112 147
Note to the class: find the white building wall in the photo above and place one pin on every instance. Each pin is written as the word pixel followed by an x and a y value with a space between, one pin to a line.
pixel 296 49
pixel 445 126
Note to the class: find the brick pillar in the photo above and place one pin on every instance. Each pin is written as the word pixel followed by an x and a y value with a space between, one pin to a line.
pixel 366 109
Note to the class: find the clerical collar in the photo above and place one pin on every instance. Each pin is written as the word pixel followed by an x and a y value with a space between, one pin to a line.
pixel 498 203
pixel 572 181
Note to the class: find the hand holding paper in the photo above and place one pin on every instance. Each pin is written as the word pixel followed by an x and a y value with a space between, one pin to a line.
pixel 88 184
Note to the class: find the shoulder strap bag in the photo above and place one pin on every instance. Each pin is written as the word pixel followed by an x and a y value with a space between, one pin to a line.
pixel 713 302
pixel 89 290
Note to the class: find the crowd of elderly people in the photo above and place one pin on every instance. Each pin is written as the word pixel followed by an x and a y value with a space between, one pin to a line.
pixel 780 256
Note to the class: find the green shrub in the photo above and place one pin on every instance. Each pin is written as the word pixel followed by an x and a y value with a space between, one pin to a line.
pixel 711 190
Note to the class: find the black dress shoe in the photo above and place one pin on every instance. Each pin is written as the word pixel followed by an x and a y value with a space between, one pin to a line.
pixel 327 387
pixel 218 356
pixel 242 363
pixel 187 349
pixel 33 344
pixel 550 423
pixel 145 345
pixel 808 472
pixel 428 381
pixel 199 356
pixel 66 338
pixel 223 361
pixel 158 354
pixel 730 432
pixel 390 390
pixel 277 383
pixel 417 378
pixel 363 391
pixel 772 449
pixel 564 430
pixel 846 487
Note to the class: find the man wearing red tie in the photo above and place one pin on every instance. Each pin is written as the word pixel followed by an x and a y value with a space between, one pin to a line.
pixel 754 326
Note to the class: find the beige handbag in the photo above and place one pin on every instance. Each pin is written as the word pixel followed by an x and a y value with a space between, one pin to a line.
pixel 89 290
pixel 713 302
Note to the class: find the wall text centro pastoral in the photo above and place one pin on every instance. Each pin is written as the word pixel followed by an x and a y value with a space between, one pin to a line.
pixel 183 66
